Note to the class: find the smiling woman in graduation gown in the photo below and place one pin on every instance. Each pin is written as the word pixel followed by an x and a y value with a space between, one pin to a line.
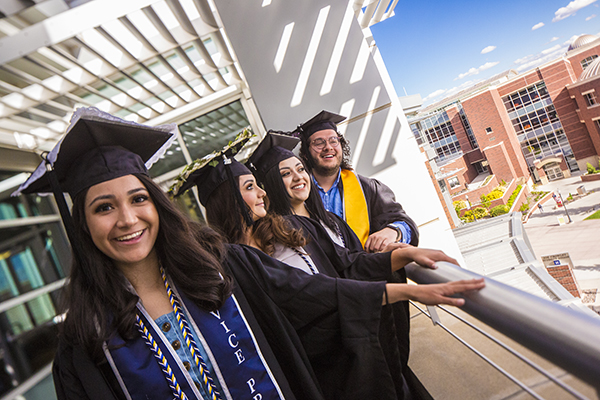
pixel 137 261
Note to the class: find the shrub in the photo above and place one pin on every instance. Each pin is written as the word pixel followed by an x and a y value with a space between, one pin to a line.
pixel 459 205
pixel 591 169
pixel 524 207
pixel 513 196
pixel 478 213
pixel 570 197
pixel 495 194
pixel 485 201
pixel 498 210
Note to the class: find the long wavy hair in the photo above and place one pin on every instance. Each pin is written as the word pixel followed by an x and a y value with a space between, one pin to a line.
pixel 97 297
pixel 267 231
pixel 309 162
pixel 279 198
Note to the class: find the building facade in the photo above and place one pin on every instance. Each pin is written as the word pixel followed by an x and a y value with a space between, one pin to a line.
pixel 541 125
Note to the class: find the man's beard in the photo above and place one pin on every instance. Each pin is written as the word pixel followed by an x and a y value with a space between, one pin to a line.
pixel 326 171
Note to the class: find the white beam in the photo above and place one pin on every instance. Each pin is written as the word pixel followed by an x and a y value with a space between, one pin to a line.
pixel 66 25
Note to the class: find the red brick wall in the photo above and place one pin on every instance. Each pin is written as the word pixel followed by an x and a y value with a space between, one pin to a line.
pixel 500 162
pixel 576 59
pixel 588 113
pixel 487 110
pixel 564 276
pixel 519 83
pixel 557 75
pixel 440 195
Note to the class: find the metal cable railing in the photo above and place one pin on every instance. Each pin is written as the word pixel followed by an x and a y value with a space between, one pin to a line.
pixel 527 361
pixel 565 337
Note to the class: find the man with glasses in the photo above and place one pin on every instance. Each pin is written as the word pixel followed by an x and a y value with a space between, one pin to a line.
pixel 371 210
pixel 367 205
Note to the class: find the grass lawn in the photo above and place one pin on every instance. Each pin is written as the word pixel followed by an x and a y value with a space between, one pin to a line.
pixel 595 215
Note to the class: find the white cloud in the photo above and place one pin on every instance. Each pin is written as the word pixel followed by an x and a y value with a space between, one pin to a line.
pixel 571 9
pixel 554 39
pixel 435 94
pixel 591 17
pixel 488 49
pixel 475 71
pixel 537 26
pixel 570 40
pixel 534 60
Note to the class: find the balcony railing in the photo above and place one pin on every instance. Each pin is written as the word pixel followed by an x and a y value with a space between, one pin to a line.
pixel 566 337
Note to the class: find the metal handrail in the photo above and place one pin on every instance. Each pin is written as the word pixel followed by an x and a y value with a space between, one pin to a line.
pixel 565 337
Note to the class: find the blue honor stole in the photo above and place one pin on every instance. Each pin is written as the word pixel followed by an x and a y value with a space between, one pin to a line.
pixel 238 364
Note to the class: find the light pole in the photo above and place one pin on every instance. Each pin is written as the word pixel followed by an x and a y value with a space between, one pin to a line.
pixel 469 207
pixel 564 205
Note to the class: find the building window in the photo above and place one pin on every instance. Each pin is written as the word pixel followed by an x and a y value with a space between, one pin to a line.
pixel 588 60
pixel 488 130
pixel 453 182
pixel 598 124
pixel 525 97
pixel 439 133
pixel 590 98
pixel 467 126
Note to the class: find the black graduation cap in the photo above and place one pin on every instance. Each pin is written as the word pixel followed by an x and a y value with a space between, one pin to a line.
pixel 321 121
pixel 97 147
pixel 275 147
pixel 209 172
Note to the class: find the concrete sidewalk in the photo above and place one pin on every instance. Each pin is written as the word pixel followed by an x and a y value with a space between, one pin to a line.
pixel 581 239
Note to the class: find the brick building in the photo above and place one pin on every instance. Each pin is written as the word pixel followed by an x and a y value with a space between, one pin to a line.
pixel 540 125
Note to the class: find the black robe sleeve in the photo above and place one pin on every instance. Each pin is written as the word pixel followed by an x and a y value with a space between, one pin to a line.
pixel 383 208
pixel 77 377
pixel 337 321
pixel 347 264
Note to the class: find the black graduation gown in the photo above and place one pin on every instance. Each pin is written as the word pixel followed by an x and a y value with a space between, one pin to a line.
pixel 329 315
pixel 394 330
pixel 383 208
pixel 337 321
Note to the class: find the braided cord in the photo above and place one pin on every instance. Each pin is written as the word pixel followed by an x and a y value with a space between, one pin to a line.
pixel 191 344
pixel 162 361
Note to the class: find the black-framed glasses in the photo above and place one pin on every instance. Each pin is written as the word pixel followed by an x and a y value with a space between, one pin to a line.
pixel 319 144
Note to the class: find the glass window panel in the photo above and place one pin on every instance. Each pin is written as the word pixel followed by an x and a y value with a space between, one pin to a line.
pixel 26 270
pixel 213 130
pixel 19 320
pixel 8 288
pixel 32 69
pixel 172 159
pixel 13 79
pixel 42 309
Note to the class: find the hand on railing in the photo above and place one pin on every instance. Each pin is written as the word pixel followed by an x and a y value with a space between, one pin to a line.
pixel 433 294
pixel 427 258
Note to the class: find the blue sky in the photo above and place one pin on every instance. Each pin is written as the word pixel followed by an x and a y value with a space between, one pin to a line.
pixel 437 48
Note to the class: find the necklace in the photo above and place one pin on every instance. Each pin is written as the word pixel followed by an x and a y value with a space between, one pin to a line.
pixel 192 346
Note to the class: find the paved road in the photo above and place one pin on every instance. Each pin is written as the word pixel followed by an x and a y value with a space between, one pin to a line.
pixel 581 239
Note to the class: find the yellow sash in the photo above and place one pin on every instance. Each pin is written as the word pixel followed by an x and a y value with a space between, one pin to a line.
pixel 356 212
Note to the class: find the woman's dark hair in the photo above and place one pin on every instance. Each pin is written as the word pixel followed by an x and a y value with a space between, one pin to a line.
pixel 279 198
pixel 310 164
pixel 267 231
pixel 97 297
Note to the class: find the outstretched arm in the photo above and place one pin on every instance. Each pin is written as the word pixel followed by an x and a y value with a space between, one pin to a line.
pixel 433 294
pixel 424 257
